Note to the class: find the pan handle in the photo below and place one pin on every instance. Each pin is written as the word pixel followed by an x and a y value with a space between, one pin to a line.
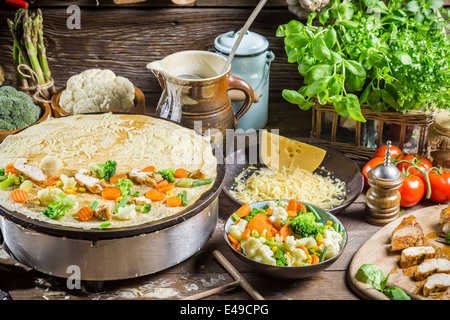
pixel 4 295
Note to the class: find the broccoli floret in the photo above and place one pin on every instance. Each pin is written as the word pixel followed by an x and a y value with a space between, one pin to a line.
pixel 125 186
pixel 146 208
pixel 103 170
pixel 2 172
pixel 58 209
pixel 17 109
pixel 167 174
pixel 279 257
pixel 11 180
pixel 304 225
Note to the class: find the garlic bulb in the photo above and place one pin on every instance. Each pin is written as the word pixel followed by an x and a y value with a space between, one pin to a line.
pixel 302 8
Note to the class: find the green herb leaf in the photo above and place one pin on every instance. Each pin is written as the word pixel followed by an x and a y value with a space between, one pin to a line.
pixel 320 49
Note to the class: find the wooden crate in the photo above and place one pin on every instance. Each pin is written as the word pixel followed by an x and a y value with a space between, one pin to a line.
pixel 354 150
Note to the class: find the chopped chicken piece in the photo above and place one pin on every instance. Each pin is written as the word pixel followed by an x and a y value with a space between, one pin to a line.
pixel 84 179
pixel 150 179
pixel 198 174
pixel 436 283
pixel 431 266
pixel 444 219
pixel 140 201
pixel 409 233
pixel 415 255
pixel 32 173
pixel 103 211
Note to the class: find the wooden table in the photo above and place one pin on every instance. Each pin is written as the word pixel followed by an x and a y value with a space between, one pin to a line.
pixel 202 272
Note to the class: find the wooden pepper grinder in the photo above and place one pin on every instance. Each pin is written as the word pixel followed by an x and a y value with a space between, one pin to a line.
pixel 383 197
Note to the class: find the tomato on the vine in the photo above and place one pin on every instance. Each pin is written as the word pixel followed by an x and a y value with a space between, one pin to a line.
pixel 369 166
pixel 412 191
pixel 408 161
pixel 381 151
pixel 440 185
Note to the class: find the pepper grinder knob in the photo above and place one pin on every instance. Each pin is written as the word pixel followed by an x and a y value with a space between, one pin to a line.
pixel 383 197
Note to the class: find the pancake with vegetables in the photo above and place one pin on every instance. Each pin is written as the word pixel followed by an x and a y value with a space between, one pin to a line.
pixel 106 170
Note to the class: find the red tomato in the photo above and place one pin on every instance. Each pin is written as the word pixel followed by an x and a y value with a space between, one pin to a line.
pixel 440 185
pixel 369 166
pixel 412 191
pixel 381 151
pixel 422 162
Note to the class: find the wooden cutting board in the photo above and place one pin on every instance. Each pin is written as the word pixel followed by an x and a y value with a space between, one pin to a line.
pixel 376 250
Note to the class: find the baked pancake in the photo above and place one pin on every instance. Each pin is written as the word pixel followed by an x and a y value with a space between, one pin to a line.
pixel 81 161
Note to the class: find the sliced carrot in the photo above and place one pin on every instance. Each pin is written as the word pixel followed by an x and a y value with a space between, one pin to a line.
pixel 304 249
pixel 85 213
pixel 232 239
pixel 292 213
pixel 284 231
pixel 260 222
pixel 181 173
pixel 115 179
pixel 269 211
pixel 155 195
pixel 244 211
pixel 52 181
pixel 111 193
pixel 314 259
pixel 292 205
pixel 174 201
pixel 246 234
pixel 301 207
pixel 162 184
pixel 149 169
pixel 19 195
pixel 274 231
pixel 169 187
pixel 68 191
pixel 10 169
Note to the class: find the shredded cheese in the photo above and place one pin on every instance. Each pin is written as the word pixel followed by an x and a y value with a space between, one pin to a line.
pixel 293 183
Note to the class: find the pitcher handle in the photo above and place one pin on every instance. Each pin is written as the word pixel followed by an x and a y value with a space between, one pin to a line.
pixel 239 84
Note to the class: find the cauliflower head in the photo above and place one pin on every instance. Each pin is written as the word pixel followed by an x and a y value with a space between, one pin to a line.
pixel 237 229
pixel 97 90
pixel 127 213
pixel 332 240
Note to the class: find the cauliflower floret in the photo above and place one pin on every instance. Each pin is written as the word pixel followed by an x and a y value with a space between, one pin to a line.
pixel 97 90
pixel 127 213
pixel 237 229
pixel 50 165
pixel 278 214
pixel 68 183
pixel 48 196
pixel 297 254
pixel 256 250
pixel 291 243
pixel 332 240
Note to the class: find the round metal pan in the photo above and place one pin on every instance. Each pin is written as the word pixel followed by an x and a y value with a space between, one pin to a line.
pixel 334 163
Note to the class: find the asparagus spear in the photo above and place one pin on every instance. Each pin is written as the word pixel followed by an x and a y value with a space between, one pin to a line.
pixel 42 51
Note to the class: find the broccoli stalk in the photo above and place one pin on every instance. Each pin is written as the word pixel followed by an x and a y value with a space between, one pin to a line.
pixel 103 170
pixel 58 209
pixel 11 180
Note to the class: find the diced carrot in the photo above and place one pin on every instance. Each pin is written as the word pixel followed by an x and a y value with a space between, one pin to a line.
pixel 19 195
pixel 52 181
pixel 169 187
pixel 155 195
pixel 246 233
pixel 292 205
pixel 314 259
pixel 85 213
pixel 10 169
pixel 274 231
pixel 260 222
pixel 162 184
pixel 111 193
pixel 269 211
pixel 268 234
pixel 115 179
pixel 291 213
pixel 238 247
pixel 174 201
pixel 301 207
pixel 181 173
pixel 149 169
pixel 244 211
pixel 284 231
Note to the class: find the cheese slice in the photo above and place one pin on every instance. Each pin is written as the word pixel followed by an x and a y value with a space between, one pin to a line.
pixel 278 152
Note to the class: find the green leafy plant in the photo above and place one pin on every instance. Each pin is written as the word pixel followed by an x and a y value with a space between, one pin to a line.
pixel 385 54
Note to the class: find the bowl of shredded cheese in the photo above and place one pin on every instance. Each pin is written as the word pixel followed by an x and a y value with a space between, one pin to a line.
pixel 332 187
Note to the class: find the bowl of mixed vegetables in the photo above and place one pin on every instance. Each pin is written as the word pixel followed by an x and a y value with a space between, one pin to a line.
pixel 285 238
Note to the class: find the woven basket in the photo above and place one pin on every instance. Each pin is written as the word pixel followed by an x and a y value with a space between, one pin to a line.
pixel 415 118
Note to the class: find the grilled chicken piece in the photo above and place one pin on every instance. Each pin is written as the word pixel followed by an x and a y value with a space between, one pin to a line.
pixel 436 283
pixel 415 255
pixel 140 201
pixel 444 219
pixel 409 233
pixel 84 179
pixel 431 266
pixel 198 174
pixel 150 179
pixel 103 211
pixel 32 173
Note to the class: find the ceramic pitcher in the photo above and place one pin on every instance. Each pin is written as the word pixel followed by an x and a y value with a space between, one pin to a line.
pixel 195 89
